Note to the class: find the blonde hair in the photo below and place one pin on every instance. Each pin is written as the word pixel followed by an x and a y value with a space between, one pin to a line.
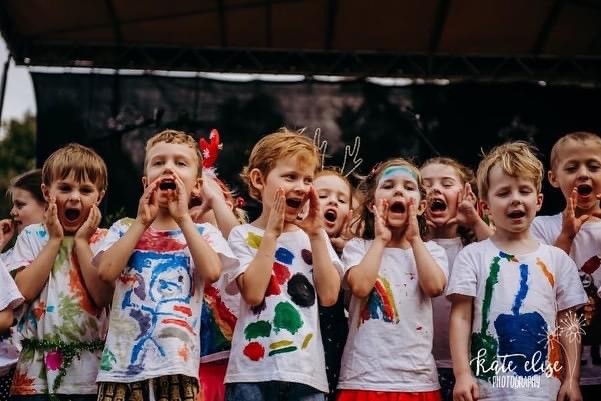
pixel 78 161
pixel 516 159
pixel 277 146
pixel 579 136
pixel 367 187
pixel 175 137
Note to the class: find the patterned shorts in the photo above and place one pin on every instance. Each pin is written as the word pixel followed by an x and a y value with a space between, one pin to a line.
pixel 164 388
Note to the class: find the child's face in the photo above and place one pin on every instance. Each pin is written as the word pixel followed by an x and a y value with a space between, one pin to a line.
pixel 294 178
pixel 74 199
pixel 26 209
pixel 334 197
pixel 512 202
pixel 578 165
pixel 397 184
pixel 164 161
pixel 443 186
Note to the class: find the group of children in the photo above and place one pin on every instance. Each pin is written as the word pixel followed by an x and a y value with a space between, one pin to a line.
pixel 408 288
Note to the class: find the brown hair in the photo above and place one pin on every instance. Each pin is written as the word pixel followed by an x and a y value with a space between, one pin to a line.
pixel 30 181
pixel 77 160
pixel 517 159
pixel 277 146
pixel 466 175
pixel 336 172
pixel 579 136
pixel 175 137
pixel 368 187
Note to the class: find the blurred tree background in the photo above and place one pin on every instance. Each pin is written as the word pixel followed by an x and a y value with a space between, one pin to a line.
pixel 17 154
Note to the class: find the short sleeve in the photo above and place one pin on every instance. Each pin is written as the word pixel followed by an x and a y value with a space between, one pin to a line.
pixel 10 297
pixel 26 249
pixel 213 236
pixel 541 229
pixel 353 252
pixel 440 256
pixel 244 244
pixel 338 265
pixel 569 290
pixel 117 230
pixel 463 280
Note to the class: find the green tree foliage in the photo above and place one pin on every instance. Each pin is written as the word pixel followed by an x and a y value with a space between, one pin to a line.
pixel 17 154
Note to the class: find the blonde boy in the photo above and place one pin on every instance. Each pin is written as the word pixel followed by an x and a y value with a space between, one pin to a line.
pixel 509 291
pixel 159 263
pixel 287 265
pixel 576 171
pixel 63 323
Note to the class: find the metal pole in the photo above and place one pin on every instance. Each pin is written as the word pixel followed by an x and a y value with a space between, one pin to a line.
pixel 3 88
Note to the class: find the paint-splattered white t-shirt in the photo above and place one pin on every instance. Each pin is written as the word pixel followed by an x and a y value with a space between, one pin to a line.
pixel 586 253
pixel 514 332
pixel 389 345
pixel 279 339
pixel 63 313
pixel 154 326
pixel 10 298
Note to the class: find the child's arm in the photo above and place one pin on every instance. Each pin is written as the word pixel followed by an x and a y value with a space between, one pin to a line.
pixel 327 278
pixel 100 291
pixel 32 279
pixel 570 341
pixel 213 197
pixel 431 277
pixel 466 387
pixel 6 319
pixel 112 261
pixel 254 281
pixel 362 277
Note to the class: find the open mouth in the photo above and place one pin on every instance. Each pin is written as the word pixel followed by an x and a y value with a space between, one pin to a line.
pixel 72 214
pixel 584 190
pixel 294 203
pixel 330 215
pixel 397 207
pixel 438 205
pixel 167 184
pixel 517 214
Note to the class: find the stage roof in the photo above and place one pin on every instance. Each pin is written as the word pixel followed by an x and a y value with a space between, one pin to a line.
pixel 475 39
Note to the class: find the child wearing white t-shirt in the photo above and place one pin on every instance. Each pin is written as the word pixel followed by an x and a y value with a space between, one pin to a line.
pixel 392 275
pixel 576 171
pixel 511 318
pixel 453 221
pixel 287 266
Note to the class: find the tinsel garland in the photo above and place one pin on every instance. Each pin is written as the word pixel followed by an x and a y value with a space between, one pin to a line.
pixel 68 352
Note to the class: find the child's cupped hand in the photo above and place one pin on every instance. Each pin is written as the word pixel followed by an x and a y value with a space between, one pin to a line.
pixel 275 223
pixel 210 192
pixel 570 223
pixel 345 235
pixel 381 229
pixel 412 233
pixel 178 200
pixel 7 231
pixel 51 221
pixel 312 224
pixel 148 207
pixel 89 227
pixel 467 212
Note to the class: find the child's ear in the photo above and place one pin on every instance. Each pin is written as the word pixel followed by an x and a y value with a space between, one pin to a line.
pixel 45 192
pixel 552 177
pixel 100 197
pixel 539 201
pixel 144 181
pixel 196 191
pixel 484 206
pixel 421 207
pixel 256 179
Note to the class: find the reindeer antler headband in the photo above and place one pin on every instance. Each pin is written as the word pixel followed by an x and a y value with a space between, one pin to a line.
pixel 351 161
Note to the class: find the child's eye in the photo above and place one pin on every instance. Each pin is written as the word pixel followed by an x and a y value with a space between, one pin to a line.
pixel 183 164
pixel 341 200
pixel 157 163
